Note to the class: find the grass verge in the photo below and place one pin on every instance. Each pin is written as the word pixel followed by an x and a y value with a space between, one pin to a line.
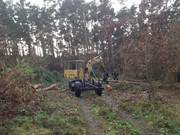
pixel 58 114
pixel 165 117
pixel 112 122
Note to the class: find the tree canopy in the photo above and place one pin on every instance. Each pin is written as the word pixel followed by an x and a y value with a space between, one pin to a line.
pixel 131 38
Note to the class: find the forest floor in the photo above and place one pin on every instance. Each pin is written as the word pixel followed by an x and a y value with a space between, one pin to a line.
pixel 131 113
pixel 119 112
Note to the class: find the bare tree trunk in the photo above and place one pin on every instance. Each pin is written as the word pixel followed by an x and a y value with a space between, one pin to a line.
pixel 148 73
pixel 29 47
pixel 52 49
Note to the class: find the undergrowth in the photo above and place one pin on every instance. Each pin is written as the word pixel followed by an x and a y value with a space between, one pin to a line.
pixel 15 92
pixel 125 86
pixel 161 116
pixel 40 75
pixel 113 124
pixel 25 112
pixel 58 114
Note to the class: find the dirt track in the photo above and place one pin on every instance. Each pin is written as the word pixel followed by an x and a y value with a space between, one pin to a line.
pixel 94 125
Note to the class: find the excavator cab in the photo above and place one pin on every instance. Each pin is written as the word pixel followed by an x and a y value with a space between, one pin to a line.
pixel 74 69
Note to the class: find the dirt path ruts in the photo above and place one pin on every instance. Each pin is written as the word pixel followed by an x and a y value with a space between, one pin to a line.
pixel 144 128
pixel 94 126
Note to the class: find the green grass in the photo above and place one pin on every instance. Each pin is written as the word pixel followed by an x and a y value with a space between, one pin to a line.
pixel 40 75
pixel 162 116
pixel 113 123
pixel 59 114
pixel 125 86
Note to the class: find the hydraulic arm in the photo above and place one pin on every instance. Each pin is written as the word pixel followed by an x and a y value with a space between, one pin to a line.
pixel 93 61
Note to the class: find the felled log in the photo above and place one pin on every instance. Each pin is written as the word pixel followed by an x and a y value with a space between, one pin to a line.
pixel 128 82
pixel 37 86
pixel 51 87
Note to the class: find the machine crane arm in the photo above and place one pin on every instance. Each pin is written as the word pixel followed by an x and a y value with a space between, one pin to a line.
pixel 93 61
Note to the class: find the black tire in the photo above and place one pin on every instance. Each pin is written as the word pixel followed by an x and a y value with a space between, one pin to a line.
pixel 77 92
pixel 98 92
pixel 77 88
pixel 70 86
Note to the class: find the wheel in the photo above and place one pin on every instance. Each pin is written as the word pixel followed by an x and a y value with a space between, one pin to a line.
pixel 77 92
pixel 71 86
pixel 98 92
pixel 99 89
pixel 77 88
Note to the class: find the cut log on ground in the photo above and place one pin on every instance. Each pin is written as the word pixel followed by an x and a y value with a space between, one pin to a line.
pixel 39 87
pixel 51 87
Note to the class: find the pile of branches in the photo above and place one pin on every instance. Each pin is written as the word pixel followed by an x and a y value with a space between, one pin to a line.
pixel 15 92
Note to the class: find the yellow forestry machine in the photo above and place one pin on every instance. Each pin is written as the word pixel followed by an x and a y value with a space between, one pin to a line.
pixel 82 77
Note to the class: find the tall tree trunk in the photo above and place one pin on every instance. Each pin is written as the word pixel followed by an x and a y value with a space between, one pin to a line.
pixel 29 47
pixel 43 47
pixel 15 49
pixel 52 47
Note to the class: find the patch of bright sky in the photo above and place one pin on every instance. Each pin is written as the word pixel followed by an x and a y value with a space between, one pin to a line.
pixel 116 4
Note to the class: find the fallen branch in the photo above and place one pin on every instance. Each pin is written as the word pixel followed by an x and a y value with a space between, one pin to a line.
pixel 51 87
pixel 37 86
pixel 129 82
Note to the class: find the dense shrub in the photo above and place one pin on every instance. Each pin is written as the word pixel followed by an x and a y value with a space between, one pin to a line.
pixel 15 91
pixel 16 86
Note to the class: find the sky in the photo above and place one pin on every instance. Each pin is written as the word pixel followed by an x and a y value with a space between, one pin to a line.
pixel 115 3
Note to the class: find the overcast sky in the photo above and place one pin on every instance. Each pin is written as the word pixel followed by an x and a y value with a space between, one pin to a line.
pixel 115 3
